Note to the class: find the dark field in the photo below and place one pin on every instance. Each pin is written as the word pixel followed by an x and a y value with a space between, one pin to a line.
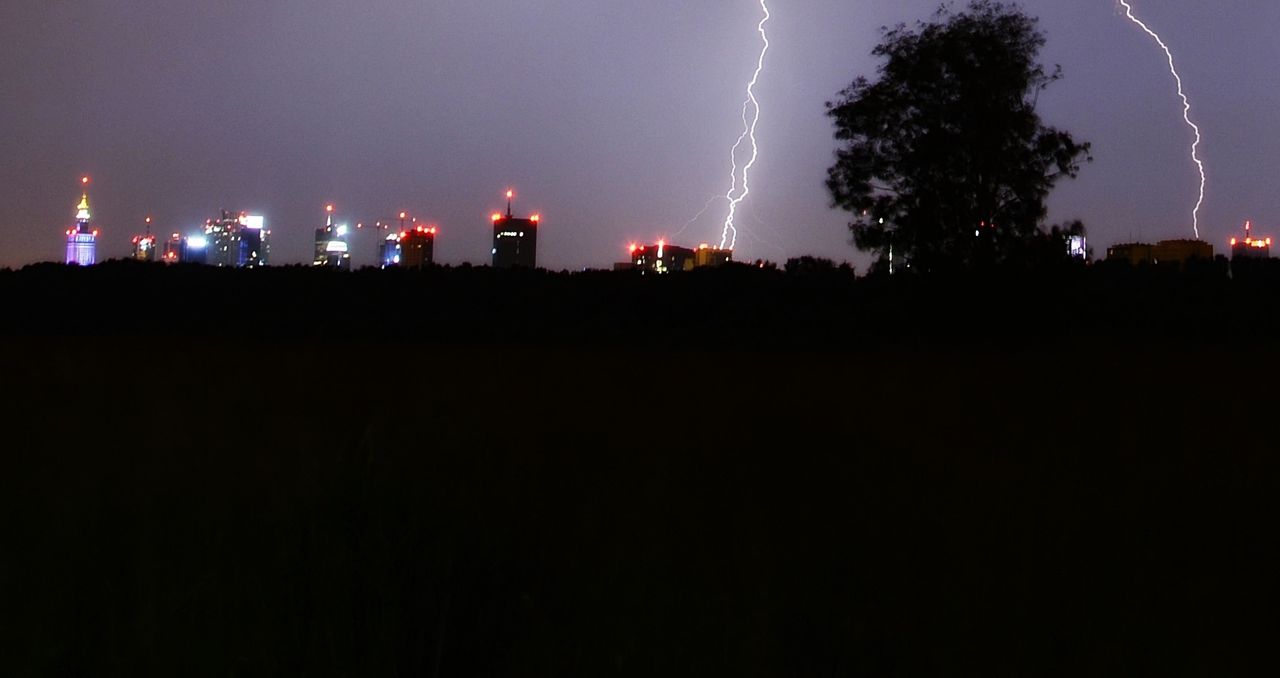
pixel 867 481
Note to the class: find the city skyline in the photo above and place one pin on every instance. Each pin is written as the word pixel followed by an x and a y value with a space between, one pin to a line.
pixel 617 140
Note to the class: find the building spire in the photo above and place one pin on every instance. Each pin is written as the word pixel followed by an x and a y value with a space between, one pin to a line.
pixel 82 210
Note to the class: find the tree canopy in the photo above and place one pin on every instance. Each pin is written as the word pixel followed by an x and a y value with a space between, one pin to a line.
pixel 943 160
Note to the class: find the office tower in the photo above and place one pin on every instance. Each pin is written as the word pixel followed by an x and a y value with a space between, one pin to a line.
pixel 662 258
pixel 144 246
pixel 417 247
pixel 515 241
pixel 172 249
pixel 237 240
pixel 332 250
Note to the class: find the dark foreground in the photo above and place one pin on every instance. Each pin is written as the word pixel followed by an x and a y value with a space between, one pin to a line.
pixel 1043 489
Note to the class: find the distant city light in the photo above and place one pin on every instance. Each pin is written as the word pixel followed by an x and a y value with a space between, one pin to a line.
pixel 197 242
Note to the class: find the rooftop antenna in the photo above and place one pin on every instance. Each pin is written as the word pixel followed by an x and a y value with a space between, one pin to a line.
pixel 510 194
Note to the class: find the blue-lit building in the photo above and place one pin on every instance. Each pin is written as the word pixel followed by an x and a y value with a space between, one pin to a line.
pixel 195 250
pixel 389 251
pixel 237 240
pixel 82 239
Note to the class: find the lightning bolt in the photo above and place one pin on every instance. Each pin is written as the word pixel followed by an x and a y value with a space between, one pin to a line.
pixel 1186 111
pixel 750 118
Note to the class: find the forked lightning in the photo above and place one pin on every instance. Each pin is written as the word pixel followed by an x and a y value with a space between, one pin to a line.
pixel 1186 111
pixel 750 117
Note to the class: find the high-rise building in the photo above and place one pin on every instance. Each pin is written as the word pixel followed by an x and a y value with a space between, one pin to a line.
pixel 515 241
pixel 172 249
pixel 417 247
pixel 389 251
pixel 662 258
pixel 1250 248
pixel 195 250
pixel 332 250
pixel 144 246
pixel 237 240
pixel 82 239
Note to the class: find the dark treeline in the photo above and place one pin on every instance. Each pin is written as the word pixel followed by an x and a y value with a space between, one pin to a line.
pixel 464 472
pixel 808 303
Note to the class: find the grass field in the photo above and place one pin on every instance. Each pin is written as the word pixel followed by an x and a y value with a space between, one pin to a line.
pixel 497 510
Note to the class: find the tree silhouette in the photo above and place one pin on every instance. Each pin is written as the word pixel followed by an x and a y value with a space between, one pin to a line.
pixel 944 161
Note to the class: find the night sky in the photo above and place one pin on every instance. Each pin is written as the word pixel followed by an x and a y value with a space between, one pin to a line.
pixel 612 119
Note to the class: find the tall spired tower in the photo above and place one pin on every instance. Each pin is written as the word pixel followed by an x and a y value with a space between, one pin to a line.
pixel 82 239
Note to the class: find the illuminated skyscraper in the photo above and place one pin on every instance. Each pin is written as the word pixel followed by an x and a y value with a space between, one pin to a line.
pixel 389 251
pixel 332 250
pixel 515 241
pixel 195 250
pixel 418 247
pixel 237 240
pixel 144 246
pixel 82 239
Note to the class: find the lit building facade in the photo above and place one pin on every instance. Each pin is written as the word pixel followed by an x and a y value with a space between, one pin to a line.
pixel 1077 247
pixel 1180 252
pixel 515 241
pixel 712 256
pixel 237 240
pixel 389 251
pixel 195 250
pixel 144 248
pixel 1250 247
pixel 417 247
pixel 82 239
pixel 1135 253
pixel 662 258
pixel 332 249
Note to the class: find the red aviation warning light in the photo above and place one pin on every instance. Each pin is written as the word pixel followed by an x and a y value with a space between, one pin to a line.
pixel 496 217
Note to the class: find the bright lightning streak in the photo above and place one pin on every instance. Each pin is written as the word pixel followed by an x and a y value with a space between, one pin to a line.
pixel 750 117
pixel 1186 111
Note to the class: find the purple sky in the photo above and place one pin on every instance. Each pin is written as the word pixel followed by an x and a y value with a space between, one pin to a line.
pixel 612 119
